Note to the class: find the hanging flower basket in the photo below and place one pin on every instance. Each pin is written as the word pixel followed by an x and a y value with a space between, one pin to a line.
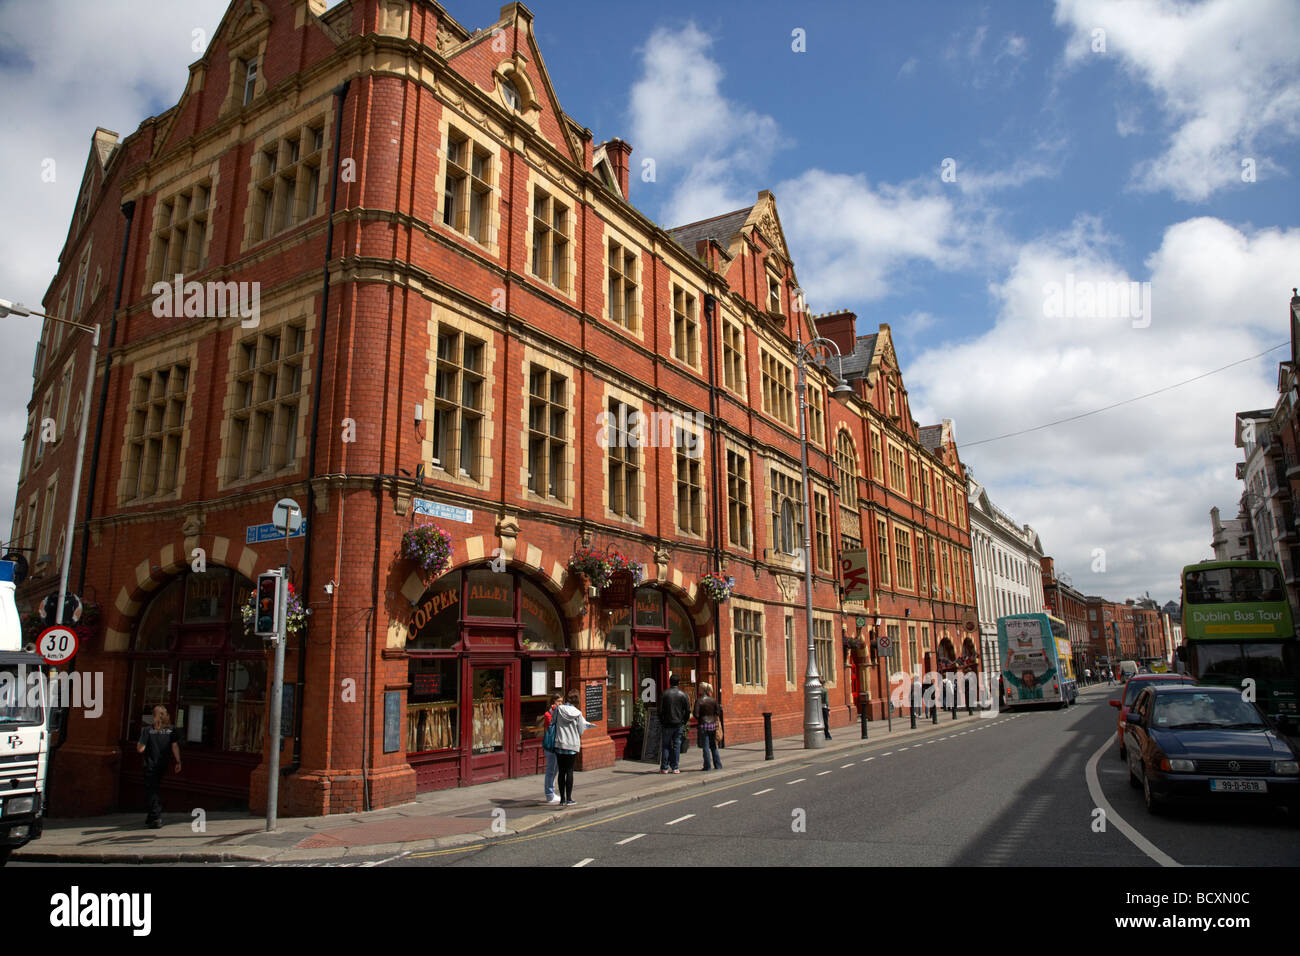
pixel 599 566
pixel 429 546
pixel 296 617
pixel 717 586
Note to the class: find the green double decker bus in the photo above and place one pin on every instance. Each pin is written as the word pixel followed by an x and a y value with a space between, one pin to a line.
pixel 1238 629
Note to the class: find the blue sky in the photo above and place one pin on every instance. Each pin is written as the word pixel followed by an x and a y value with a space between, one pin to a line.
pixel 1122 164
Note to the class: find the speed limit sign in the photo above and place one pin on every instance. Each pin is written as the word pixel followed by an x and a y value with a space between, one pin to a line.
pixel 57 644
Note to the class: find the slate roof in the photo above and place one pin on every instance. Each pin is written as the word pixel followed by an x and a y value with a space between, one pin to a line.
pixel 857 363
pixel 931 436
pixel 721 228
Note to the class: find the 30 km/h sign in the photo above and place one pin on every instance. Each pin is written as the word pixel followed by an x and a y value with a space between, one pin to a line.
pixel 57 644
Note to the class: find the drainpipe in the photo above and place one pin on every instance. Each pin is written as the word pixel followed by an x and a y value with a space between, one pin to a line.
pixel 340 95
pixel 710 309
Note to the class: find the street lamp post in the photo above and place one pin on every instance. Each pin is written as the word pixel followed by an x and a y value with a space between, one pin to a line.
pixel 12 308
pixel 813 729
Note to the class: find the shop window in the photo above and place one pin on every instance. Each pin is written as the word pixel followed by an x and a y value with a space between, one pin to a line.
pixel 432 720
pixel 543 629
pixel 197 700
pixel 681 635
pixel 245 705
pixel 487 715
pixel 620 691
pixel 542 677
pixel 435 620
pixel 618 636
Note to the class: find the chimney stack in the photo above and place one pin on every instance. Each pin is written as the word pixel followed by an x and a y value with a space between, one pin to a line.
pixel 619 154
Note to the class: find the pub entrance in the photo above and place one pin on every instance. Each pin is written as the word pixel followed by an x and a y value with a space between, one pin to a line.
pixel 645 645
pixel 485 650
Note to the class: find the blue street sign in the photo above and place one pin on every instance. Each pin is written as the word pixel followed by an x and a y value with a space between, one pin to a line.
pixel 434 509
pixel 259 533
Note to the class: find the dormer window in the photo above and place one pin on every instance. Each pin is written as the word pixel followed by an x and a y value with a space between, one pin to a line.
pixel 510 93
pixel 774 295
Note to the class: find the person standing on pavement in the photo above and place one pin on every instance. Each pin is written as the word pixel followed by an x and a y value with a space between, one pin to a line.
pixel 570 725
pixel 674 712
pixel 155 743
pixel 826 709
pixel 708 712
pixel 552 767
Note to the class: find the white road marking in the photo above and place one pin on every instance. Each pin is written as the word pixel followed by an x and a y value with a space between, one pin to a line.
pixel 825 772
pixel 887 753
pixel 584 862
pixel 1126 828
pixel 630 839
pixel 727 804
pixel 388 860
pixel 842 766
pixel 869 759
pixel 792 782
pixel 679 819
pixel 901 749
pixel 761 792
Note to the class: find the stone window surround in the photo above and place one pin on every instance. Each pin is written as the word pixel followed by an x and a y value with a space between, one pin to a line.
pixel 302 314
pixel 761 609
pixel 675 282
pixel 690 425
pixel 533 182
pixel 610 233
pixel 819 616
pixel 442 317
pixel 611 392
pixel 725 321
pixel 209 174
pixel 729 445
pixel 534 356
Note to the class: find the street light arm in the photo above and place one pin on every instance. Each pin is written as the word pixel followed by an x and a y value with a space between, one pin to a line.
pixel 8 308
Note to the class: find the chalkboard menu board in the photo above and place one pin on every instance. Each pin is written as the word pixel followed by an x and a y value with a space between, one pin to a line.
pixel 392 720
pixel 652 737
pixel 595 702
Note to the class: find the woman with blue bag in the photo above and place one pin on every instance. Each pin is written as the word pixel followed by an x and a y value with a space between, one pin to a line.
pixel 548 746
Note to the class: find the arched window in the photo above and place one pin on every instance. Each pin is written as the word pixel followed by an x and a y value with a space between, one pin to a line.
pixel 846 469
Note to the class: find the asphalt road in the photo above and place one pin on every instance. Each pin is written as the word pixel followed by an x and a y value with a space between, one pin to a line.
pixel 1008 791
pixel 1042 788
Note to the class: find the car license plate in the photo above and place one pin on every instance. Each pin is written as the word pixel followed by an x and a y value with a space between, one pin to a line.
pixel 1239 786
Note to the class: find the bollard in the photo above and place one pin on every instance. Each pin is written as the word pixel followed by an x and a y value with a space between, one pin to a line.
pixel 891 716
pixel 914 718
pixel 862 715
pixel 767 737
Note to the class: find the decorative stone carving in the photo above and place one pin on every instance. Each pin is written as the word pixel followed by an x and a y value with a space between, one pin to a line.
pixel 192 526
pixel 445 39
pixel 507 528
pixel 394 18
pixel 789 585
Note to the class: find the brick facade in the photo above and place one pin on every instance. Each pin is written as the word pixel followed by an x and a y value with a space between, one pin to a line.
pixel 449 145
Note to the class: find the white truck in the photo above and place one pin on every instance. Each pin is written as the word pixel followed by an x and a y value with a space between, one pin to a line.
pixel 24 728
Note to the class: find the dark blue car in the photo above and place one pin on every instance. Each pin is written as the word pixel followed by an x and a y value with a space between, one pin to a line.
pixel 1207 744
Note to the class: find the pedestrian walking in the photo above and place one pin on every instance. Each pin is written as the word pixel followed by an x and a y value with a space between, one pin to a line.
pixel 552 767
pixel 570 725
pixel 708 713
pixel 674 712
pixel 826 709
pixel 158 743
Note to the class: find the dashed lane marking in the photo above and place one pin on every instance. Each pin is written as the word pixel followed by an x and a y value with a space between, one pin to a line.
pixel 630 839
pixel 679 819
pixel 843 766
pixel 584 862
pixel 728 803
pixel 761 792
pixel 789 783
pixel 825 772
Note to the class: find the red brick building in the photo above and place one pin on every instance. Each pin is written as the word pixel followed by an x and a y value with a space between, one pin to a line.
pixel 462 318
pixel 1071 606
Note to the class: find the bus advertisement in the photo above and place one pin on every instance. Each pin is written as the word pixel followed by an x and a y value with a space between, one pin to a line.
pixel 1238 631
pixel 1036 663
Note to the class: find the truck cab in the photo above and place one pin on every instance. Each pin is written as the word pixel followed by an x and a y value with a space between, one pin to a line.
pixel 24 728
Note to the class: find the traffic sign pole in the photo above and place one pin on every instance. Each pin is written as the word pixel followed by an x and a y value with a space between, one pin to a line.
pixel 277 702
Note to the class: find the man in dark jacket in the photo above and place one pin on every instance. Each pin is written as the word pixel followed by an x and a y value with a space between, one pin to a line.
pixel 674 712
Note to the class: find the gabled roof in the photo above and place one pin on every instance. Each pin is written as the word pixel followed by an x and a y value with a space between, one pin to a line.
pixel 722 228
pixel 931 436
pixel 858 362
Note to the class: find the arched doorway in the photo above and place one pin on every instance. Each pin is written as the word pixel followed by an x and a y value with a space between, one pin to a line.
pixel 486 649
pixel 189 652
pixel 652 640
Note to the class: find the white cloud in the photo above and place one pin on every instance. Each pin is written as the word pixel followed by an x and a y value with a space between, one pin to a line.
pixel 1137 481
pixel 850 238
pixel 64 72
pixel 1227 74
pixel 702 142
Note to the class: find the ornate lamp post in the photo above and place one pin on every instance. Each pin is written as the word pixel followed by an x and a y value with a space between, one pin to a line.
pixel 813 729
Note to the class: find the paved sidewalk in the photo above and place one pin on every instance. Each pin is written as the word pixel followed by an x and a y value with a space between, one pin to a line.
pixel 445 818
